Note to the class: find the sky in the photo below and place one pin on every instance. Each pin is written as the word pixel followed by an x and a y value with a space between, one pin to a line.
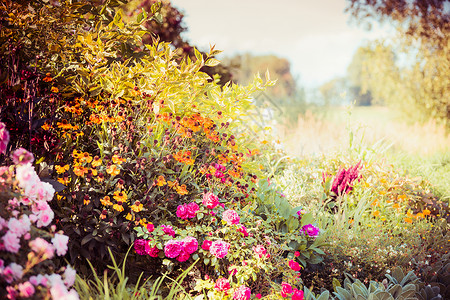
pixel 316 36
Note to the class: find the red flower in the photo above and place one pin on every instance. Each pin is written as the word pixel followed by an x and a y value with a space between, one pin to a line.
pixel 294 265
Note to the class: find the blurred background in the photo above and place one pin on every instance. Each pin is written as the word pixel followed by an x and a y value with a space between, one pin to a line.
pixel 368 70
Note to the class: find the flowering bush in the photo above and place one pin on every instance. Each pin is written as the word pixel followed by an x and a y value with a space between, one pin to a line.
pixel 25 234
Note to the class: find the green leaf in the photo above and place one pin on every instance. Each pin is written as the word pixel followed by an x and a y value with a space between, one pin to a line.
pixel 212 62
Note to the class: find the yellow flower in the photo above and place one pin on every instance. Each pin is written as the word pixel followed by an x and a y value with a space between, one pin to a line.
pixel 64 180
pixel 85 157
pixel 161 181
pixel 106 201
pixel 61 169
pixel 80 170
pixel 181 190
pixel 46 126
pixel 54 89
pixel 129 217
pixel 113 170
pixel 117 159
pixel 137 206
pixel 97 161
pixel 120 196
pixel 172 184
pixel 118 207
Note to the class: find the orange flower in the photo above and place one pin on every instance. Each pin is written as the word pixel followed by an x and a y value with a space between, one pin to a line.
pixel 80 170
pixel 376 213
pixel 48 78
pixel 97 161
pixel 118 207
pixel 94 118
pixel 54 89
pixel 76 153
pixel 106 201
pixel 120 196
pixel 61 169
pixel 408 220
pixel 426 212
pixel 85 157
pixel 46 126
pixel 161 181
pixel 420 215
pixel 64 180
pixel 86 201
pixel 118 160
pixel 181 190
pixel 396 205
pixel 172 184
pixel 137 206
pixel 113 170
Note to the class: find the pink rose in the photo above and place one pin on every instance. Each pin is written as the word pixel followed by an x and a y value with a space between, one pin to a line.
pixel 242 293
pixel 152 251
pixel 222 285
pixel 19 227
pixel 17 270
pixel 140 246
pixel 41 246
pixel 168 230
pixel 210 200
pixel 21 156
pixel 45 217
pixel 310 230
pixel 206 245
pixel 4 138
pixel 219 248
pixel 298 295
pixel 69 276
pixel 231 217
pixel 259 250
pixel 294 265
pixel 11 242
pixel 173 248
pixel 190 244
pixel 150 227
pixel 60 243
pixel 26 289
pixel 182 211
pixel 243 230
pixel 286 289
pixel 192 209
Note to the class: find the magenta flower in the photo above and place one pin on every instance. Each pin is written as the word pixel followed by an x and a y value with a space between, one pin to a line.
pixel 310 230
pixel 219 248
pixel 222 285
pixel 183 256
pixel 286 289
pixel 182 211
pixel 152 251
pixel 190 244
pixel 343 181
pixel 259 250
pixel 242 293
pixel 168 230
pixel 231 217
pixel 4 138
pixel 173 248
pixel 243 230
pixel 139 246
pixel 206 245
pixel 298 295
pixel 192 209
pixel 210 200
pixel 294 265
pixel 150 227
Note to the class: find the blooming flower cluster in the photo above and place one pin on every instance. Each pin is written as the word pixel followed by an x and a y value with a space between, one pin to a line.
pixel 4 138
pixel 181 250
pixel 310 230
pixel 343 181
pixel 242 293
pixel 286 289
pixel 217 248
pixel 18 237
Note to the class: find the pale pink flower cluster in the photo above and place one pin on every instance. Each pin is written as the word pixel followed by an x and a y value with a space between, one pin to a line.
pixel 28 210
pixel 219 248
pixel 181 250
pixel 242 293
pixel 231 217
pixel 259 251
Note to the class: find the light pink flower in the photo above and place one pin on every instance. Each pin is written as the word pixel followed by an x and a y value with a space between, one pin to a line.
pixel 4 138
pixel 190 244
pixel 19 227
pixel 242 293
pixel 26 289
pixel 45 217
pixel 259 250
pixel 231 217
pixel 173 248
pixel 219 248
pixel 17 270
pixel 41 246
pixel 60 243
pixel 210 200
pixel 27 176
pixel 21 156
pixel 69 276
pixel 222 285
pixel 11 242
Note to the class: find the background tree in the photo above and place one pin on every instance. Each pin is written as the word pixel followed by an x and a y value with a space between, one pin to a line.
pixel 421 83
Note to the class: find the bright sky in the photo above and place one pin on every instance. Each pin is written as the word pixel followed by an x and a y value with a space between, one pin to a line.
pixel 314 35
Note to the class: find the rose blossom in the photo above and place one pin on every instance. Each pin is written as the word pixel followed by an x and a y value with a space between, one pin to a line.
pixel 168 230
pixel 152 251
pixel 182 211
pixel 45 217
pixel 206 245
pixel 39 245
pixel 242 293
pixel 17 270
pixel 298 295
pixel 173 248
pixel 190 244
pixel 19 227
pixel 150 227
pixel 192 209
pixel 310 230
pixel 26 289
pixel 22 156
pixel 243 230
pixel 222 285
pixel 183 256
pixel 4 138
pixel 11 242
pixel 294 265
pixel 219 248
pixel 69 276
pixel 259 250
pixel 231 217
pixel 210 200
pixel 286 289
pixel 60 243
pixel 139 246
